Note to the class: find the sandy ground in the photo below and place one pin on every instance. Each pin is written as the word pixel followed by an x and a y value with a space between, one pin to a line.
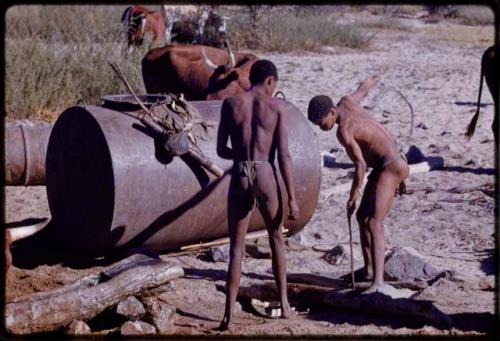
pixel 436 66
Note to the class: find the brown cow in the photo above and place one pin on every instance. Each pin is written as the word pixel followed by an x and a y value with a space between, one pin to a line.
pixel 490 69
pixel 140 21
pixel 199 72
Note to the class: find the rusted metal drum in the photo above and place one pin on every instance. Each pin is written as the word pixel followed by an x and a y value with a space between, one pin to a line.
pixel 110 184
pixel 25 149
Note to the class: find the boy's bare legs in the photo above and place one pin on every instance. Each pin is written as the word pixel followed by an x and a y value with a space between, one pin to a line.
pixel 363 213
pixel 238 211
pixel 271 209
pixel 386 184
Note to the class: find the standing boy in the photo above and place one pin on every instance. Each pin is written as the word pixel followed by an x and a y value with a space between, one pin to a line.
pixel 255 123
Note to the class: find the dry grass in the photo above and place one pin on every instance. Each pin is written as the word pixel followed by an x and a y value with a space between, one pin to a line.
pixel 57 55
pixel 482 36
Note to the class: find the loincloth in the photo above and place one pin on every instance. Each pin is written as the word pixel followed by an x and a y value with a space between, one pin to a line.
pixel 248 170
pixel 376 171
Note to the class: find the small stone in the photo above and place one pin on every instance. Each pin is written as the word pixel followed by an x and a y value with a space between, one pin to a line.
pixel 137 328
pixel 131 308
pixel 438 149
pixel 298 238
pixel 258 248
pixel 406 264
pixel 422 126
pixel 317 235
pixel 414 155
pixel 78 327
pixel 338 255
pixel 220 253
pixel 160 314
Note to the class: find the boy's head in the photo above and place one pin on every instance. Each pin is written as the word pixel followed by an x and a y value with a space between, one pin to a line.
pixel 321 112
pixel 264 72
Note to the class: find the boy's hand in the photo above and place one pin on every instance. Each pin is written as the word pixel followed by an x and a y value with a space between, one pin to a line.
pixel 351 206
pixel 294 209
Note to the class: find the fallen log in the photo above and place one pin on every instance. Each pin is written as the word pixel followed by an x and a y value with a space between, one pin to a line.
pixel 86 298
pixel 351 300
pixel 431 163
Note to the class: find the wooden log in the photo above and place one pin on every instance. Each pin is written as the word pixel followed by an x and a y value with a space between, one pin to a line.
pixel 431 163
pixel 346 299
pixel 56 310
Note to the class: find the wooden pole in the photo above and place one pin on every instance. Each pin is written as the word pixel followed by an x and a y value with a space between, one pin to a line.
pixel 222 241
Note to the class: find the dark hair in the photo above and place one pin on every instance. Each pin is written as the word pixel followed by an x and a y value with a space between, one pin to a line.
pixel 319 106
pixel 262 69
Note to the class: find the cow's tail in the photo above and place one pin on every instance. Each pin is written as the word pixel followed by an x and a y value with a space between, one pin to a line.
pixel 472 125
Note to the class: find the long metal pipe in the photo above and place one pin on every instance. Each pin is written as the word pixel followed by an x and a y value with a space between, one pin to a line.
pixel 110 184
pixel 25 149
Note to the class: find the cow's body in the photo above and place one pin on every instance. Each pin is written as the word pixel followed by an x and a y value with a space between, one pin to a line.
pixel 490 69
pixel 141 21
pixel 182 69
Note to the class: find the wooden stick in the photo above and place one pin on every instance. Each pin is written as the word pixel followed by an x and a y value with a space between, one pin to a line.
pixel 120 74
pixel 221 241
pixel 56 310
pixel 353 282
pixel 430 164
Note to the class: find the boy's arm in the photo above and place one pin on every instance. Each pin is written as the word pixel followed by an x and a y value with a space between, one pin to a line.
pixel 223 150
pixel 354 152
pixel 285 163
pixel 363 88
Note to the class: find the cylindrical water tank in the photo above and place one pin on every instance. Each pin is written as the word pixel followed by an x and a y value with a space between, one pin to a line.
pixel 111 185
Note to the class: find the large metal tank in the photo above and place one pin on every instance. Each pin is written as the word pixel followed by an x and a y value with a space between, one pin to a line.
pixel 25 148
pixel 110 184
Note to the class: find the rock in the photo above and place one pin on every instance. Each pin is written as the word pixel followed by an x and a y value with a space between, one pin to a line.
pixel 292 245
pixel 329 160
pixel 338 255
pixel 258 248
pixel 422 126
pixel 131 308
pixel 317 235
pixel 220 253
pixel 160 314
pixel 298 238
pixel 406 264
pixel 414 155
pixel 137 328
pixel 438 149
pixel 78 327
